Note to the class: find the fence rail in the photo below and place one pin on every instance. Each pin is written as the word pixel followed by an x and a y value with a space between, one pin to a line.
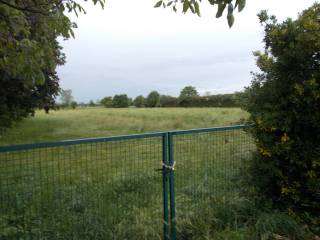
pixel 111 187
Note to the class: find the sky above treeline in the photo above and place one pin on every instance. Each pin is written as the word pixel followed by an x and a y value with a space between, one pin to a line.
pixel 131 47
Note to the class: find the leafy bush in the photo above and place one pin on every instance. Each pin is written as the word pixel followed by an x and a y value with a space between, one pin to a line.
pixel 284 103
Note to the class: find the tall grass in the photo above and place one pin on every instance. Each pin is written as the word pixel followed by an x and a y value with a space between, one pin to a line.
pixel 97 122
pixel 112 191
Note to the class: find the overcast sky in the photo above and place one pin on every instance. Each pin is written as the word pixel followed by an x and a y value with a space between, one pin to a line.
pixel 130 47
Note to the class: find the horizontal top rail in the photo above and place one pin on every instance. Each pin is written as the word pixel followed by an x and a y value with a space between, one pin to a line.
pixel 202 130
pixel 21 147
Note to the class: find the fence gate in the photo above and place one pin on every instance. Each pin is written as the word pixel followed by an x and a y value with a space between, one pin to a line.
pixel 115 187
pixel 208 164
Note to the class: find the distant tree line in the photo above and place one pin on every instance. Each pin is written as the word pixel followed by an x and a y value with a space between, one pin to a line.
pixel 189 97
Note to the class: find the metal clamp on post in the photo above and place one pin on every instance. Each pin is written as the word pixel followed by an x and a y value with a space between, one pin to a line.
pixel 166 167
pixel 169 167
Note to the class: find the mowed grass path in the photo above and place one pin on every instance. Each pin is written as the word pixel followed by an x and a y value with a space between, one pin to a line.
pixel 98 122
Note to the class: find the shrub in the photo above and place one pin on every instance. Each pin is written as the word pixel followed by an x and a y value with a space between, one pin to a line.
pixel 284 103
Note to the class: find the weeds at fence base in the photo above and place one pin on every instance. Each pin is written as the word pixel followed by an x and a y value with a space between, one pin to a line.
pixel 239 219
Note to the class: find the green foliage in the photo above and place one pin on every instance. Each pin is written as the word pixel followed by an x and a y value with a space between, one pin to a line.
pixel 188 97
pixel 284 103
pixel 188 92
pixel 91 103
pixel 279 226
pixel 168 101
pixel 28 34
pixel 18 100
pixel 66 97
pixel 120 101
pixel 194 6
pixel 139 101
pixel 153 99
pixel 30 53
pixel 222 100
pixel 74 104
pixel 130 102
pixel 106 102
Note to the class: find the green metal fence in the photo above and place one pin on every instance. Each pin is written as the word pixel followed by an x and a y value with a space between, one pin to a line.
pixel 141 186
pixel 209 164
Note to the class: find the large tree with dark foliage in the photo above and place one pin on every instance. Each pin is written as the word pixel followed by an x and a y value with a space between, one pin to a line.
pixel 30 52
pixel 139 101
pixel 120 101
pixel 153 99
pixel 284 102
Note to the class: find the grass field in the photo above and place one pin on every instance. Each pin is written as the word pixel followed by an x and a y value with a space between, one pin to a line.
pixel 97 122
pixel 111 190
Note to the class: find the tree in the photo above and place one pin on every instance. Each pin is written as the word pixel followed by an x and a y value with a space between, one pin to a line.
pixel 74 104
pixel 194 6
pixel 66 97
pixel 284 103
pixel 188 92
pixel 168 101
pixel 120 101
pixel 153 99
pixel 139 101
pixel 30 53
pixel 188 96
pixel 106 102
pixel 91 103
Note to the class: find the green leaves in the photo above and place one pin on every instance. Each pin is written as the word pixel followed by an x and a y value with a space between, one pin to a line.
pixel 230 20
pixel 186 6
pixel 30 52
pixel 230 16
pixel 240 4
pixel 221 8
pixel 283 101
pixel 158 4
pixel 197 8
pixel 194 7
pixel 230 9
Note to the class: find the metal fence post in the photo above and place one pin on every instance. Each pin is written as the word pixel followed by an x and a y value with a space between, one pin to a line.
pixel 166 233
pixel 171 185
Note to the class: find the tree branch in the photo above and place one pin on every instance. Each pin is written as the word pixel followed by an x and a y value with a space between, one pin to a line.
pixel 23 9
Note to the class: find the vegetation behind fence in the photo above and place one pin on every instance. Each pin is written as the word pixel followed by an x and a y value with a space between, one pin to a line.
pixel 111 188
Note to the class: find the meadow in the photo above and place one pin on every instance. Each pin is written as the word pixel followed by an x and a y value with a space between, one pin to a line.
pixel 113 190
pixel 98 122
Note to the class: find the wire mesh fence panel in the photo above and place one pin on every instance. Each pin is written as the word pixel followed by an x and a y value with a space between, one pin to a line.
pixel 208 169
pixel 96 190
pixel 107 188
